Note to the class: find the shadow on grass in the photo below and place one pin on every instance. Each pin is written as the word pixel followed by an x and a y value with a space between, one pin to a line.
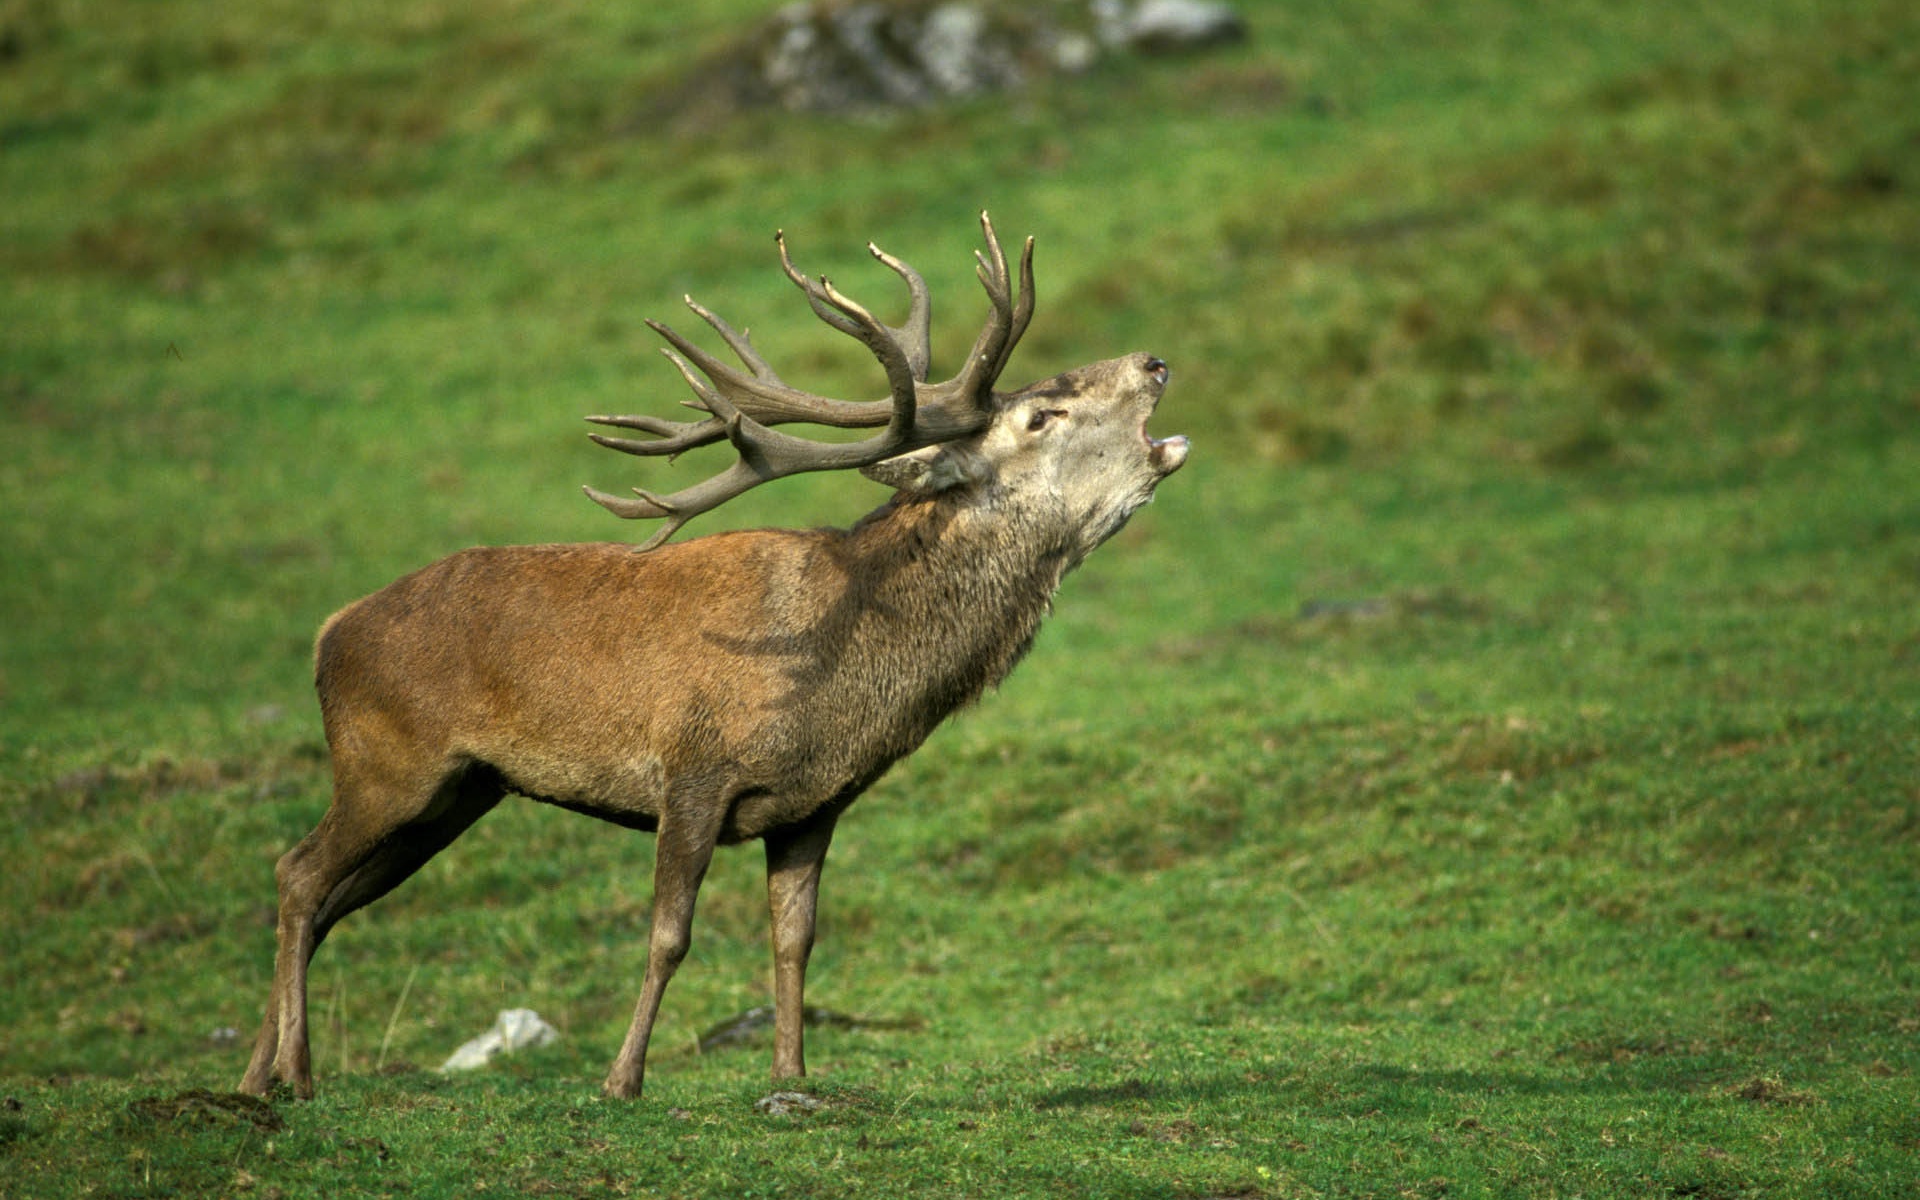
pixel 1380 1089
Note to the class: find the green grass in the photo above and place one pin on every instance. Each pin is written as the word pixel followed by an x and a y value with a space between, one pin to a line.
pixel 1491 768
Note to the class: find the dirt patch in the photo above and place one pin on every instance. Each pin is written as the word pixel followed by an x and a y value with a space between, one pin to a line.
pixel 1768 1089
pixel 198 1106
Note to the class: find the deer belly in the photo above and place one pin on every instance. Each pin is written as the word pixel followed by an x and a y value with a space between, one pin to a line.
pixel 621 790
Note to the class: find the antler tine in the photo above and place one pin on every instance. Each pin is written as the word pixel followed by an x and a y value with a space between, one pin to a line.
pixel 1022 309
pixel 815 297
pixel 852 318
pixel 916 336
pixel 913 338
pixel 764 454
pixel 739 341
pixel 671 438
pixel 646 507
pixel 744 404
pixel 901 379
pixel 762 395
pixel 1005 324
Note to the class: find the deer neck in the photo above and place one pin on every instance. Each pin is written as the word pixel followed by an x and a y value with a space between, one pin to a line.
pixel 963 582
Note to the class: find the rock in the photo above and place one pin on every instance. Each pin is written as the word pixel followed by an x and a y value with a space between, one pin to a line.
pixel 828 58
pixel 1163 26
pixel 514 1029
pixel 950 50
pixel 781 1104
pixel 863 56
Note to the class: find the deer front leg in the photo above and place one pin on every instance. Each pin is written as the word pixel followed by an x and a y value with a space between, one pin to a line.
pixel 794 859
pixel 681 855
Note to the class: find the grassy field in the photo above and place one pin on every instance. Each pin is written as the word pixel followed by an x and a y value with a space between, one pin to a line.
pixel 1491 768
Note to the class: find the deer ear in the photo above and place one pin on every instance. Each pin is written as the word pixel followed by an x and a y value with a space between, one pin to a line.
pixel 927 470
pixel 903 472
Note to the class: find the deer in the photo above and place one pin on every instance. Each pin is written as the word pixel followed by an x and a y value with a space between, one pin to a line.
pixel 740 686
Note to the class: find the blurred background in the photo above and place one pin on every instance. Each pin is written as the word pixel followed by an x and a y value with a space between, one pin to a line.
pixel 1532 631
pixel 297 298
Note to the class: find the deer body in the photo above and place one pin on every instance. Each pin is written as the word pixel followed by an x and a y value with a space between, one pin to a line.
pixel 735 687
pixel 816 659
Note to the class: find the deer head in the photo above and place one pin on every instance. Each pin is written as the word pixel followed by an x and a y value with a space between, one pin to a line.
pixel 1077 443
pixel 1079 438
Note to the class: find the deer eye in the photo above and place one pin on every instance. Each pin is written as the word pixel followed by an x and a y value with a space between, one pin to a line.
pixel 1041 416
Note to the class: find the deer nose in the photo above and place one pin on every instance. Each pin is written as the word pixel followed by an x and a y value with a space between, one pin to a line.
pixel 1157 368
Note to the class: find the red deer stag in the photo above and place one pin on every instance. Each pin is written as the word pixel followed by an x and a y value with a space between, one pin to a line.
pixel 737 686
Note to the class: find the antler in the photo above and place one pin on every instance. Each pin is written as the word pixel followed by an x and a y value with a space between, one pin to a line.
pixel 745 404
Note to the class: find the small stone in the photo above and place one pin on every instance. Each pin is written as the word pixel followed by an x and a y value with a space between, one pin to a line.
pixel 514 1029
pixel 1161 26
pixel 780 1104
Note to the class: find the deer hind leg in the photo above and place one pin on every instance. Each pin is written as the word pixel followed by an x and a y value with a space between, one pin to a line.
pixel 361 850
pixel 683 849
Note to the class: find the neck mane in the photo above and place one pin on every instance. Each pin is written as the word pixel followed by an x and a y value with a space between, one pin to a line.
pixel 965 580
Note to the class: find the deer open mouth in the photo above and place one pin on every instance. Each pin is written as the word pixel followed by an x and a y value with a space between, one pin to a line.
pixel 1166 454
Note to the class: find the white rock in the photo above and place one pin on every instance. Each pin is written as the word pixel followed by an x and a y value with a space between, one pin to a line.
pixel 949 44
pixel 1170 24
pixel 514 1029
